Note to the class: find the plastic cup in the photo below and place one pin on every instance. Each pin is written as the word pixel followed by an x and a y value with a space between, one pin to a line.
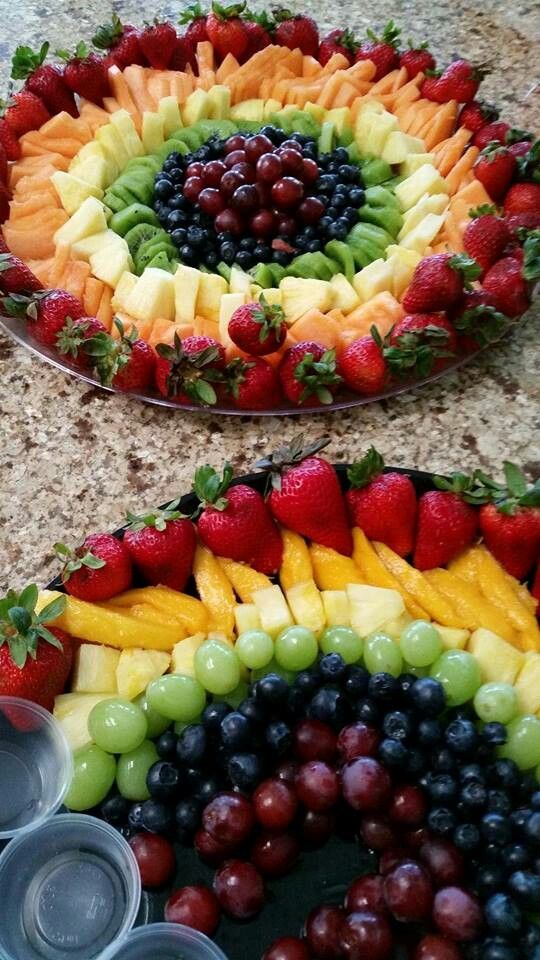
pixel 35 766
pixel 68 888
pixel 165 941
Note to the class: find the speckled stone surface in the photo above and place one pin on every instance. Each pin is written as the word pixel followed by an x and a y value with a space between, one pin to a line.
pixel 73 459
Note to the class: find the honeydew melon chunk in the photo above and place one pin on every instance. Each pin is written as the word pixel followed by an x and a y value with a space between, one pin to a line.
pixel 317 112
pixel 169 111
pixel 152 296
pixel 428 203
pixel 382 125
pixel 124 126
pixel 111 262
pixel 186 288
pixel 86 247
pixel 220 102
pixel 424 233
pixel 345 297
pixel 372 607
pixel 239 282
pixel 72 191
pixel 399 145
pixel 271 106
pixel 196 107
pixel 228 304
pixel 211 289
pixel 414 161
pixel 424 180
pixel 113 144
pixel 498 660
pixel 123 289
pixel 94 171
pixel 300 295
pixel 88 219
pixel 153 131
pixel 375 278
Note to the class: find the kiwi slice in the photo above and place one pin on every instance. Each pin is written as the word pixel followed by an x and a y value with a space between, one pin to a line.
pixel 224 270
pixel 150 248
pixel 139 234
pixel 339 251
pixel 129 217
pixel 277 272
pixel 149 163
pixel 219 128
pixel 262 275
pixel 173 146
pixel 162 262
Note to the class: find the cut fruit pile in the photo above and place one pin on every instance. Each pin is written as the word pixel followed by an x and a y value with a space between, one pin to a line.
pixel 371 214
pixel 245 676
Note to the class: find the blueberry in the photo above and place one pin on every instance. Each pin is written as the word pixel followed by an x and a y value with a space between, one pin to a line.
pixel 532 828
pixel 188 254
pixel 503 773
pixel 309 232
pixel 224 237
pixel 357 196
pixel 308 681
pixel 156 816
pixel 471 771
pixel 416 762
pixel 442 821
pixel 339 201
pixel 350 215
pixel 281 257
pixel 212 259
pixel 213 714
pixel 393 753
pixel 196 237
pixel 496 828
pixel 443 760
pixel 235 731
pixel 356 681
pixel 332 667
pixel 383 687
pixel 535 800
pixel 461 736
pixel 499 802
pixel 166 745
pixel 397 725
pixel 227 252
pixel 245 770
pixel 179 236
pixel 525 887
pixel 187 816
pixel 503 915
pixel 347 173
pixel 163 780
pixel 163 189
pixel 330 706
pixel 296 705
pixel 519 819
pixel 429 732
pixel 531 938
pixel 490 877
pixel 178 203
pixel 314 246
pixel 301 243
pixel 427 696
pixel 272 689
pixel 207 789
pixel 340 155
pixel 327 183
pixel 270 132
pixel 135 816
pixel 466 837
pixel 192 743
pixel 244 259
pixel 442 788
pixel 114 809
pixel 262 252
pixel 254 710
pixel 367 710
pixel 333 213
pixel 516 856
pixel 473 795
pixel 496 948
pixel 278 737
pixel 494 734
pixel 325 222
pixel 299 138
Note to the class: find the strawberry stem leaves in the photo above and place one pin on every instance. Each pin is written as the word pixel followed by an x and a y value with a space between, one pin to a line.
pixel 21 627
pixel 155 518
pixel 531 256
pixel 317 375
pixel 210 487
pixel 288 455
pixel 191 373
pixel 108 34
pixel 480 489
pixel 363 471
pixel 25 61
pixel 75 559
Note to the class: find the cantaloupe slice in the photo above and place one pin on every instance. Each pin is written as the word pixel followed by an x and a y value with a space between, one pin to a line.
pixel 75 276
pixel 20 209
pixel 61 257
pixel 104 311
pixel 93 291
pixel 134 76
pixel 460 168
pixel 122 93
pixel 318 326
pixel 228 66
pixel 441 126
pixel 310 66
pixel 63 126
pixel 41 269
pixel 93 115
pixel 35 143
pixel 383 311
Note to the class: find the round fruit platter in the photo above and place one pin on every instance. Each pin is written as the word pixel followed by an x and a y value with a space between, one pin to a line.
pixel 308 685
pixel 251 217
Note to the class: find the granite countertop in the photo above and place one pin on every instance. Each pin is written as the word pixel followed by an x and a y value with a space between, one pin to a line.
pixel 73 458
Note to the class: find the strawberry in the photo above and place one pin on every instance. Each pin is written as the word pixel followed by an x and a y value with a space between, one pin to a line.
pixel 522 198
pixel 125 363
pixel 459 81
pixel 363 367
pixel 195 17
pixel 25 111
pixel 226 30
pixel 186 371
pixel 417 59
pixel 446 525
pixel 477 114
pixel 258 328
pixel 15 276
pixel 308 374
pixel 523 221
pixel 306 496
pixel 297 31
pixel 97 570
pixel 486 236
pixel 70 340
pixel 46 312
pixel 383 505
pixel 158 42
pixel 420 344
pixel 478 321
pixel 494 132
pixel 258 27
pixel 5 197
pixel 43 79
pixel 235 521
pixel 183 55
pixel 85 73
pixel 338 41
pixel 253 384
pixel 3 165
pixel 121 41
pixel 438 281
pixel 161 544
pixel 35 659
pixel 495 168
pixel 9 141
pixel 382 51
pixel 506 284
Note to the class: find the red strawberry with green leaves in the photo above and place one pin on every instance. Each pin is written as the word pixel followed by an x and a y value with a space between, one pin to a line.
pixel 486 236
pixel 258 328
pixel 71 339
pixel 25 111
pixel 85 73
pixel 306 495
pixel 381 50
pixel 15 276
pixel 121 42
pixel 477 114
pixel 97 570
pixel 383 505
pixel 46 312
pixel 510 520
pixel 259 27
pixel 494 132
pixel 438 281
pixel 9 141
pixel 126 362
pixel 446 524
pixel 522 198
pixel 235 521
pixel 528 160
pixel 187 370
pixel 35 657
pixel 43 79
pixel 363 367
pixel 183 55
pixel 338 41
pixel 253 384
pixel 158 42
pixel 495 168
pixel 417 59
pixel 308 374
pixel 227 31
pixel 295 31
pixel 195 17
pixel 3 165
pixel 420 344
pixel 507 286
pixel 459 81
pixel 477 321
pixel 161 544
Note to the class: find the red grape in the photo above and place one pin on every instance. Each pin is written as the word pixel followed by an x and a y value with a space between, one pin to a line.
pixel 286 771
pixel 408 892
pixel 292 160
pixel 317 786
pixel 209 849
pixel 287 192
pixel 287 948
pixel 213 172
pixel 358 740
pixel 316 828
pixel 192 188
pixel 195 169
pixel 310 171
pixel 290 145
pixel 269 167
pixel 195 906
pixel 245 198
pixel 256 146
pixel 229 221
pixel 443 860
pixel 311 210
pixel 416 838
pixel 432 947
pixel 408 806
pixel 377 833
pixel 239 889
pixel 366 784
pixel 457 914
pixel 230 182
pixel 366 893
pixel 286 226
pixel 390 858
pixel 365 934
pixel 246 170
pixel 314 740
pixel 275 853
pixel 264 193
pixel 155 858
pixel 236 142
pixel 262 223
pixel 211 201
pixel 323 932
pixel 229 818
pixel 236 156
pixel 275 804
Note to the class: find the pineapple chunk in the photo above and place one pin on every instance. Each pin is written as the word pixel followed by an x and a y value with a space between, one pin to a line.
pixel 498 660
pixel 424 180
pixel 228 304
pixel 220 102
pixel 272 295
pixel 211 289
pixel 424 234
pixel 382 125
pixel 453 638
pixel 113 145
pixel 429 203
pixel 84 248
pixel 345 297
pixel 93 170
pixel 125 128
pixel 365 117
pixel 375 278
pixel 403 264
pixel 317 112
pixel 72 710
pixel 394 628
pixel 399 145
pixel 72 191
pixel 153 131
pixel 95 152
pixel 249 110
pixel 169 112
pixel 306 606
pixel 339 116
pixel 414 161
pixel 273 610
pixel 123 289
pixel 196 107
pixel 152 296
pixel 372 607
pixel 183 654
pixel 336 607
pixel 271 106
pixel 240 282
pixel 95 669
pixel 300 295
pixel 186 288
pixel 110 263
pixel 137 668
pixel 89 218
pixel 527 685
pixel 246 617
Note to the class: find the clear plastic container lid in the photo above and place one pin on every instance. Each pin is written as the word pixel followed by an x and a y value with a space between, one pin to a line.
pixel 35 766
pixel 73 888
pixel 165 941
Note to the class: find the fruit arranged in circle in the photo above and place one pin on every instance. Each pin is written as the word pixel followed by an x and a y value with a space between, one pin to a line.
pixel 352 206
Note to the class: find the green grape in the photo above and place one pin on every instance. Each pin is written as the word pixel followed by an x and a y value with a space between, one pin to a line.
pixel 496 702
pixel 382 655
pixel 538 773
pixel 132 770
pixel 459 674
pixel 179 726
pixel 420 644
pixel 523 744
pixel 342 640
pixel 94 771
pixel 177 697
pixel 273 667
pixel 235 697
pixel 157 724
pixel 296 648
pixel 217 667
pixel 255 648
pixel 117 725
pixel 416 671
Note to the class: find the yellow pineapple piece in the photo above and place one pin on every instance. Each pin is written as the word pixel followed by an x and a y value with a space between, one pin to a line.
pixel 214 590
pixel 244 579
pixel 372 607
pixel 498 660
pixel 336 607
pixel 306 605
pixel 394 628
pixel 527 685
pixel 296 564
pixel 426 179
pixel 137 668
pixel 300 295
pixel 452 637
pixel 332 570
pixel 273 610
pixel 183 654
pixel 423 592
pixel 376 574
pixel 95 669
pixel 246 617
pixel 209 294
pixel 470 603
pixel 72 710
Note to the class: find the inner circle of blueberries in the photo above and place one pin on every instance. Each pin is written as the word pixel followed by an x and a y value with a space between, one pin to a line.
pixel 256 198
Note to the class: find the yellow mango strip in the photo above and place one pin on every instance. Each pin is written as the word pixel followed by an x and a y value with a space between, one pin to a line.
pixel 377 575
pixel 190 611
pixel 244 579
pixel 332 570
pixel 214 590
pixel 142 611
pixel 528 643
pixel 522 592
pixel 465 566
pixel 438 607
pixel 113 628
pixel 470 603
pixel 494 586
pixel 296 566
